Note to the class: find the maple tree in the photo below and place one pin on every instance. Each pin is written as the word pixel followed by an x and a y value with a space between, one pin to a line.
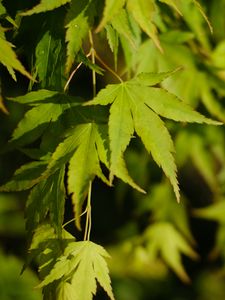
pixel 161 69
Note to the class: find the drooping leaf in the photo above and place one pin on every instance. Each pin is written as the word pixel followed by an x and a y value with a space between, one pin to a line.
pixel 143 11
pixel 45 5
pixel 121 24
pixel 111 9
pixel 76 30
pixel 174 4
pixel 8 57
pixel 84 263
pixel 113 41
pixel 48 196
pixel 25 177
pixel 79 177
pixel 162 238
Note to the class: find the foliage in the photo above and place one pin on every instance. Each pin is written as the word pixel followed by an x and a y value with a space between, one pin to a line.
pixel 160 67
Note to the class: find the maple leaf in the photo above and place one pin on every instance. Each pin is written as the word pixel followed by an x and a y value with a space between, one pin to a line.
pixel 83 146
pixel 8 57
pixel 45 5
pixel 135 106
pixel 163 238
pixel 47 196
pixel 83 263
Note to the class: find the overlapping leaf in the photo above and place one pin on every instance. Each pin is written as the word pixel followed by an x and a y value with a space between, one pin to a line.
pixel 83 265
pixel 48 196
pixel 48 107
pixel 135 106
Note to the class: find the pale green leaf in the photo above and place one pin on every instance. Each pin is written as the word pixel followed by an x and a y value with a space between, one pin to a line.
pixel 65 149
pixel 83 262
pixel 121 127
pixel 45 5
pixel 113 40
pixel 25 177
pixel 150 79
pixel 204 161
pixel 2 9
pixel 76 31
pixel 174 4
pixel 121 24
pixel 169 106
pixel 157 141
pixel 215 212
pixel 111 9
pixel 65 291
pixel 8 57
pixel 79 177
pixel 162 238
pixel 143 11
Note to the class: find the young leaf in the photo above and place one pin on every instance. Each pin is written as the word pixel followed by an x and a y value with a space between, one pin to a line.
pixel 45 5
pixel 111 9
pixel 163 238
pixel 8 57
pixel 85 266
pixel 79 177
pixel 213 212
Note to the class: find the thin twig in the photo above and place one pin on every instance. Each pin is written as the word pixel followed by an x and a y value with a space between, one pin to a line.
pixel 92 51
pixel 72 74
pixel 107 67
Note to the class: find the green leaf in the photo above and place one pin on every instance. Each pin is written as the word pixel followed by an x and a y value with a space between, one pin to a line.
pixel 65 291
pixel 76 30
pixel 84 262
pixel 174 4
pixel 25 177
pixel 8 57
pixel 35 121
pixel 48 57
pixel 45 5
pixel 143 11
pixel 111 9
pixel 121 24
pixel 2 9
pixel 79 177
pixel 47 196
pixel 34 98
pixel 213 212
pixel 162 238
pixel 113 40
pixel 135 106
pixel 169 106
